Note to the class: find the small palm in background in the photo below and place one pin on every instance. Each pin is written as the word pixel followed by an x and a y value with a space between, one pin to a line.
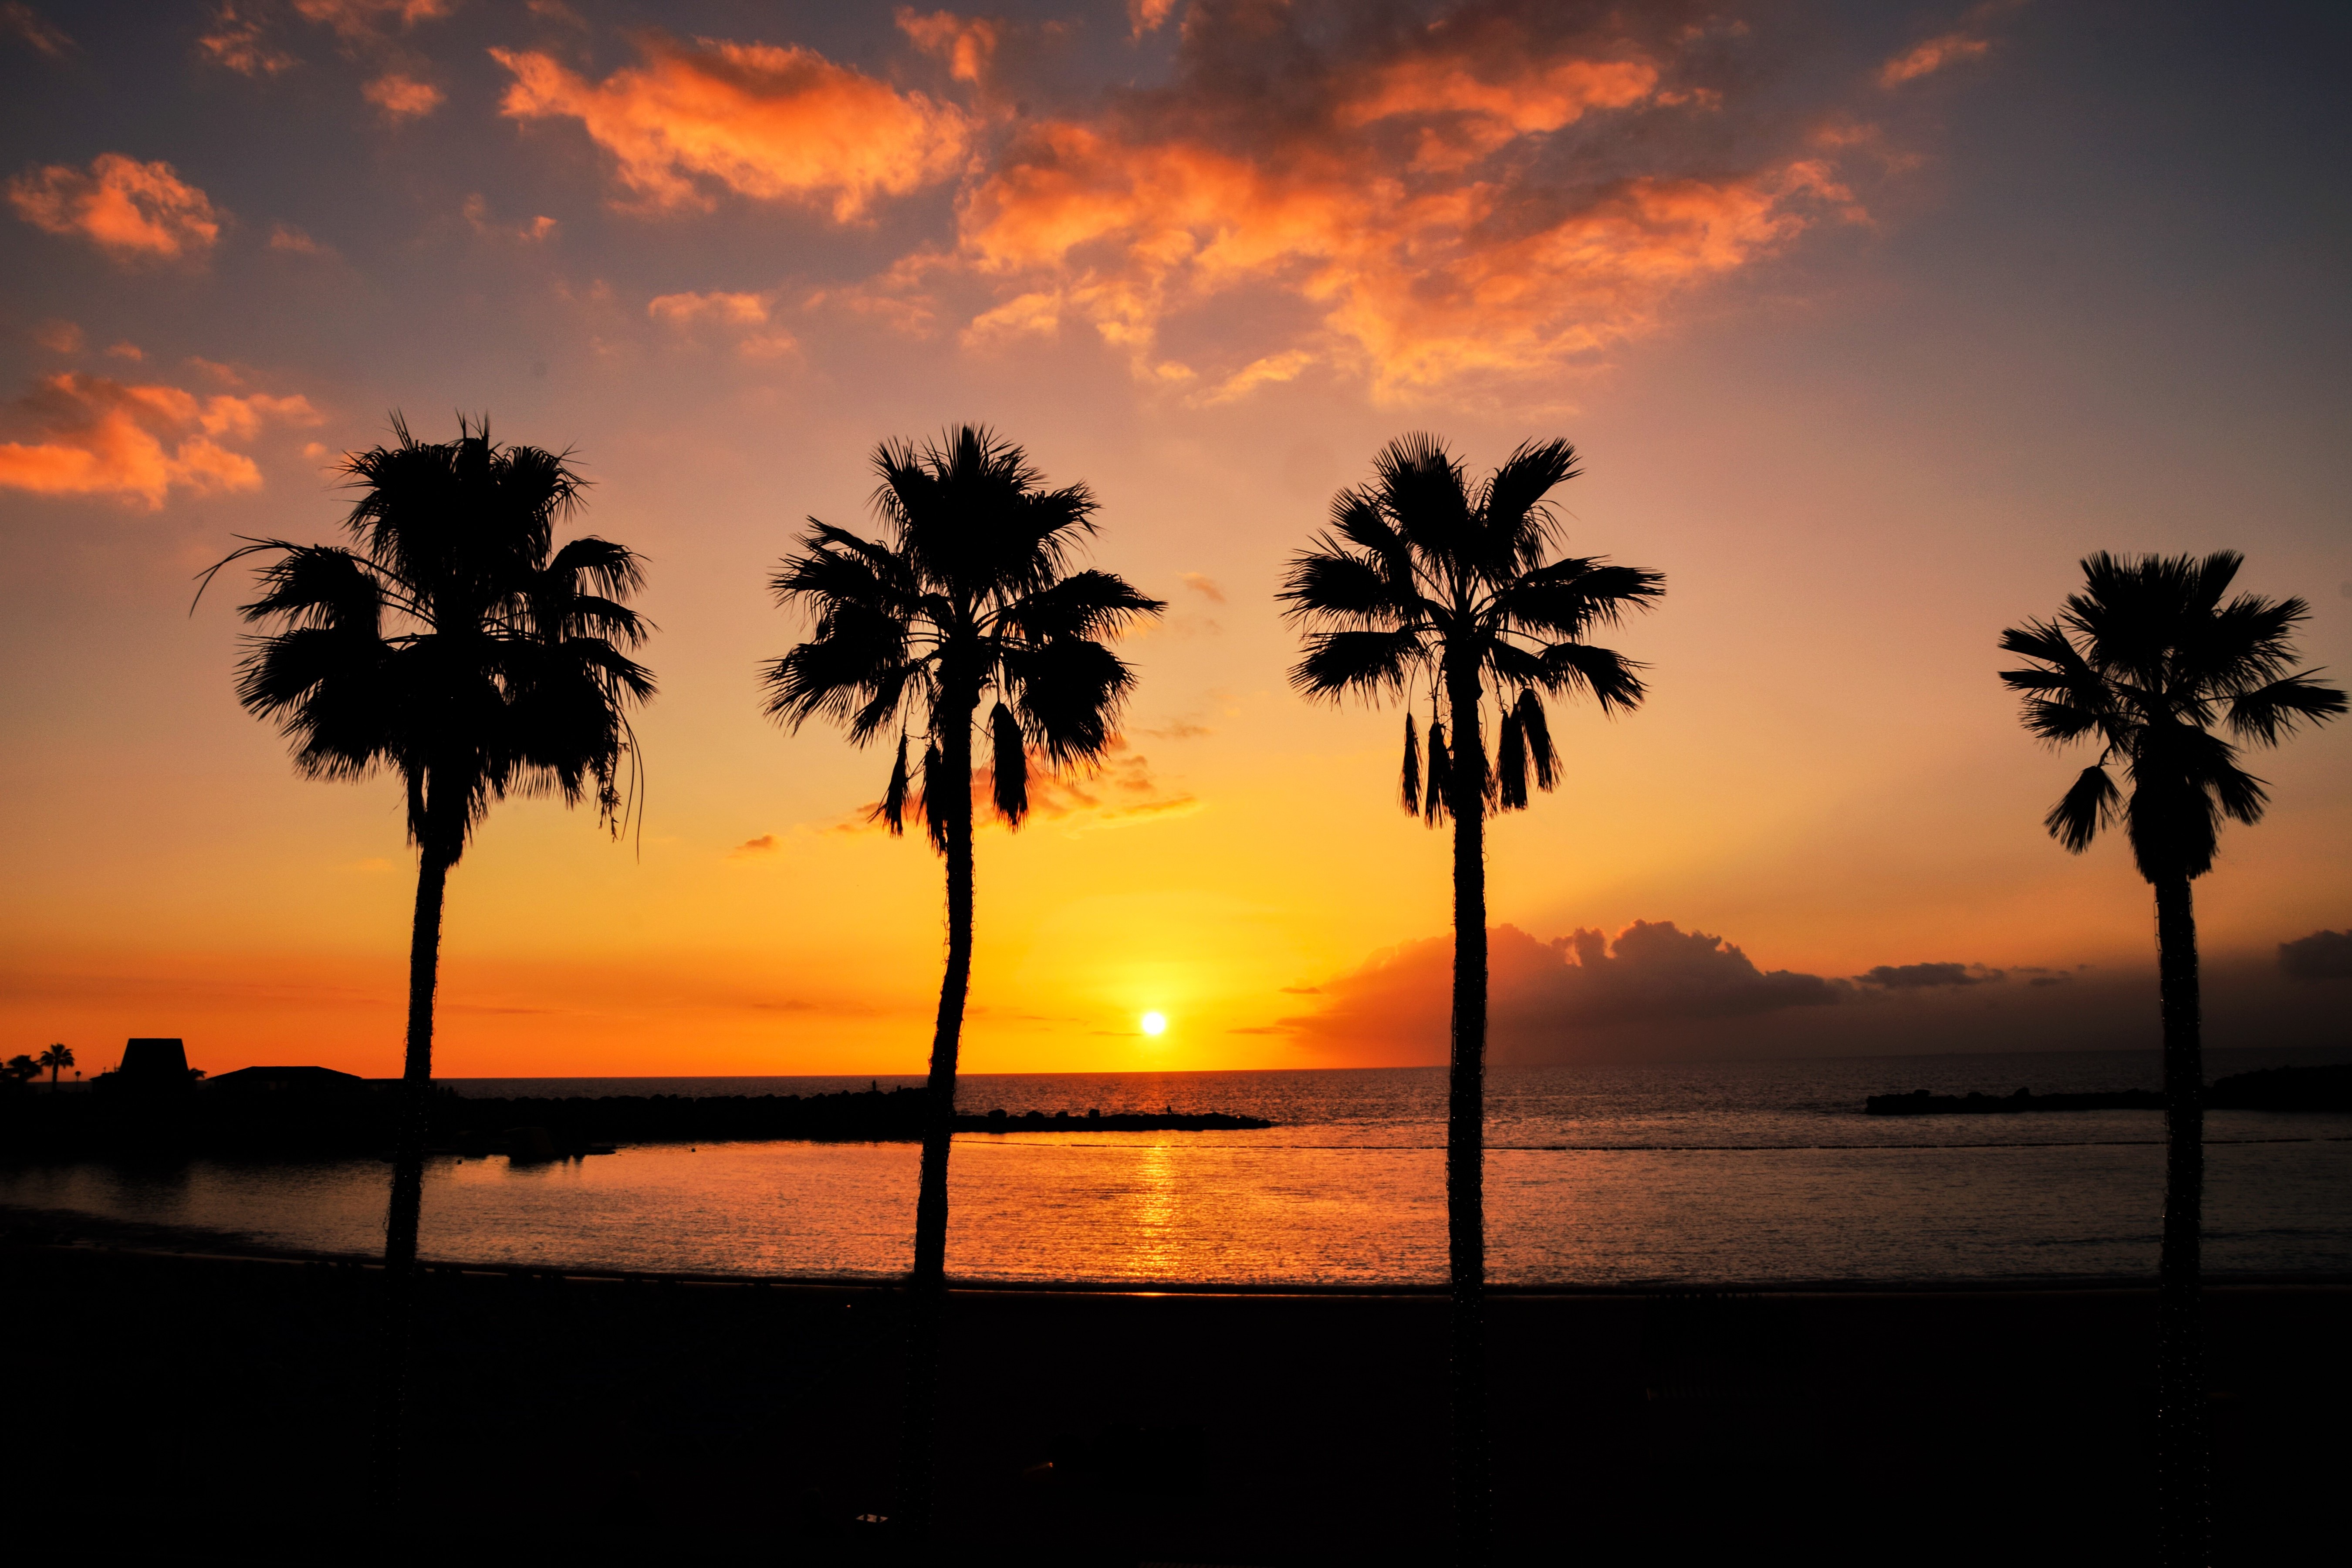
pixel 969 597
pixel 56 1057
pixel 1426 581
pixel 2145 662
pixel 455 644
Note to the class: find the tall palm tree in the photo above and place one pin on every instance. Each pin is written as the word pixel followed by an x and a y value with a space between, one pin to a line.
pixel 453 643
pixel 2145 662
pixel 1425 579
pixel 55 1057
pixel 970 595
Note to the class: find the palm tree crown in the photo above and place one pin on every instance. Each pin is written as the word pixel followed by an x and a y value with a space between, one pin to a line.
pixel 969 595
pixel 2145 662
pixel 1423 576
pixel 453 642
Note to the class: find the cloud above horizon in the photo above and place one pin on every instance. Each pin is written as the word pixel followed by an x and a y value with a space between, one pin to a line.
pixel 1926 976
pixel 2322 955
pixel 1509 191
pixel 138 442
pixel 767 122
pixel 130 210
pixel 1651 973
pixel 1505 191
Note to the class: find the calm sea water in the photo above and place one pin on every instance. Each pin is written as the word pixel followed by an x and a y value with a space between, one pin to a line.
pixel 1754 1172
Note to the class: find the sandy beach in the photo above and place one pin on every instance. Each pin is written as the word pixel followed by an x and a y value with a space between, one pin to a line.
pixel 221 1404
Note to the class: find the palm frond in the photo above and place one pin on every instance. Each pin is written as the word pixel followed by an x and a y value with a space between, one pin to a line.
pixel 891 810
pixel 1069 693
pixel 1088 604
pixel 1009 764
pixel 1409 780
pixel 940 793
pixel 1328 584
pixel 1571 598
pixel 1421 491
pixel 1510 501
pixel 1612 680
pixel 1511 764
pixel 1372 664
pixel 1529 710
pixel 2087 807
pixel 2267 714
pixel 1433 800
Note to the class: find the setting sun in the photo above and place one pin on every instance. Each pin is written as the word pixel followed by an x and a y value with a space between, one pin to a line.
pixel 1155 1023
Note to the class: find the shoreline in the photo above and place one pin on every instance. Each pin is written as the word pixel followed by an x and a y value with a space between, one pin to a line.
pixel 23 1227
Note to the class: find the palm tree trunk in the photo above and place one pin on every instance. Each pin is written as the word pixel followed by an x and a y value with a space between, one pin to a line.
pixel 2181 1414
pixel 1466 1126
pixel 928 1286
pixel 401 1220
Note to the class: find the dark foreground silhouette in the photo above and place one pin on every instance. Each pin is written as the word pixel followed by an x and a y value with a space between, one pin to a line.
pixel 217 1405
pixel 312 1112
pixel 2272 1089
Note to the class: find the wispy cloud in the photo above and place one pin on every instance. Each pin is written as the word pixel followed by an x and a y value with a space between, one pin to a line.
pixel 743 317
pixel 294 241
pixel 775 123
pixel 531 231
pixel 36 29
pixel 1931 57
pixel 356 20
pixel 130 210
pixel 237 42
pixel 1203 585
pixel 1926 976
pixel 403 97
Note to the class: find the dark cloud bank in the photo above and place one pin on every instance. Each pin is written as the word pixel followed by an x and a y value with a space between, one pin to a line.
pixel 1659 992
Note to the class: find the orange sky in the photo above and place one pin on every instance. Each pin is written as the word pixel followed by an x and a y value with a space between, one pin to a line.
pixel 1869 324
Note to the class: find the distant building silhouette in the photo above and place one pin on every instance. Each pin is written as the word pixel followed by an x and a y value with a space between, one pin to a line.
pixel 311 1082
pixel 155 1061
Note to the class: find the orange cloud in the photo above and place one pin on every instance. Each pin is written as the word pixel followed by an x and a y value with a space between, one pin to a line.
pixel 683 309
pixel 1410 211
pixel 354 19
pixel 476 209
pixel 780 124
pixel 742 313
pixel 1475 111
pixel 967 43
pixel 1418 285
pixel 1930 56
pixel 59 337
pixel 35 30
pixel 403 97
pixel 132 210
pixel 137 443
pixel 285 237
pixel 1146 15
pixel 236 43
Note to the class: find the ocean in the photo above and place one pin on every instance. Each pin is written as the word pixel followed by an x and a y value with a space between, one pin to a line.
pixel 1727 1174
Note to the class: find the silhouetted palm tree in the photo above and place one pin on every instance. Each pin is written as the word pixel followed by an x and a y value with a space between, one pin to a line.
pixel 1426 579
pixel 970 595
pixel 455 644
pixel 2144 662
pixel 54 1058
